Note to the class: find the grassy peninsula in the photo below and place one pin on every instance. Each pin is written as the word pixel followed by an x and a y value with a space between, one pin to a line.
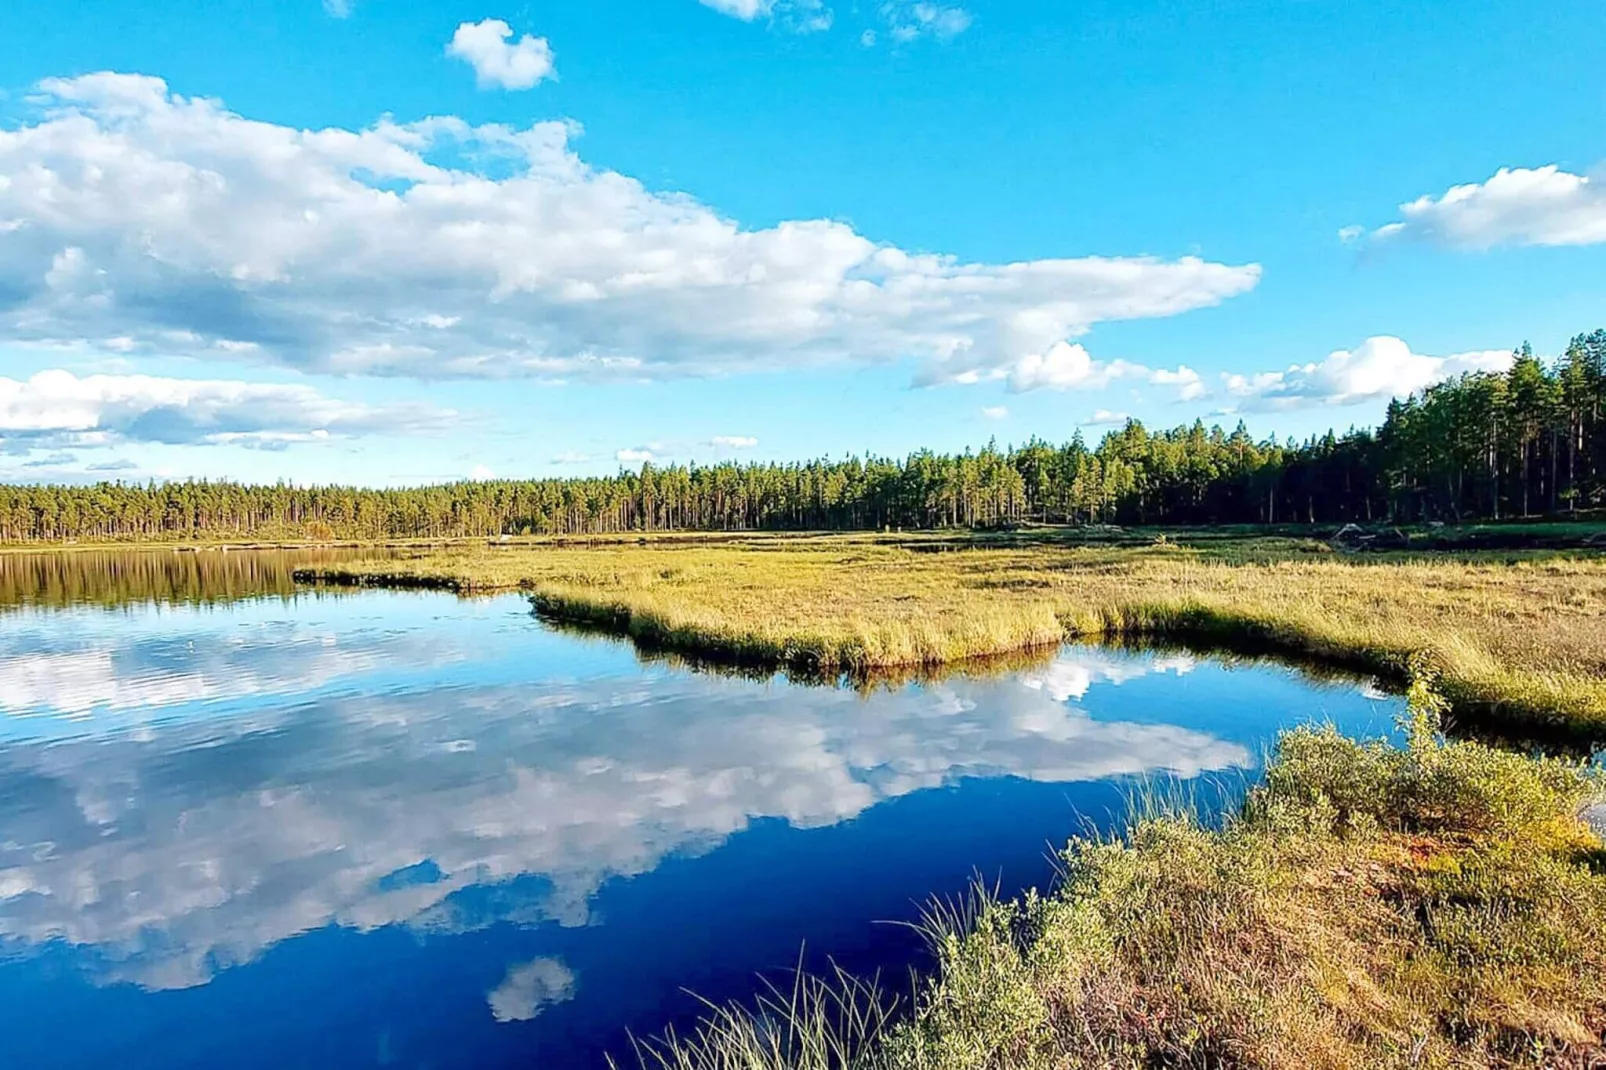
pixel 1518 636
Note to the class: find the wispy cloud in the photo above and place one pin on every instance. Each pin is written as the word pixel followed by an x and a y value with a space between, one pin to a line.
pixel 746 10
pixel 909 20
pixel 799 16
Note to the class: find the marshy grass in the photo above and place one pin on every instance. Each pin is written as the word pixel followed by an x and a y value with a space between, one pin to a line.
pixel 1440 905
pixel 1519 635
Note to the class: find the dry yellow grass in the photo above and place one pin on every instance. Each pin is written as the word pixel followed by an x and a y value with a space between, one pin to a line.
pixel 1437 906
pixel 1522 635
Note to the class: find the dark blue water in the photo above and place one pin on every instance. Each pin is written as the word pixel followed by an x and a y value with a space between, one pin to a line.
pixel 402 830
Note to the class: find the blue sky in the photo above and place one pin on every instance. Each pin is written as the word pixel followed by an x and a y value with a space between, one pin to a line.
pixel 395 243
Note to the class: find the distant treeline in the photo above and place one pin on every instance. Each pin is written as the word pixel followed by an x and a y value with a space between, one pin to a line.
pixel 1528 441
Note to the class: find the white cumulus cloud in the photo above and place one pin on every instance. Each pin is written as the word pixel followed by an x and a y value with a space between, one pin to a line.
pixel 58 409
pixel 734 442
pixel 1516 206
pixel 137 219
pixel 1380 367
pixel 1189 384
pixel 1069 366
pixel 497 59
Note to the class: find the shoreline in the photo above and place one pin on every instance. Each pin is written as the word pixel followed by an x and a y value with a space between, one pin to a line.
pixel 1344 915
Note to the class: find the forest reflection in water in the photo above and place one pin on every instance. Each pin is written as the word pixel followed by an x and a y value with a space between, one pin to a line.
pixel 191 576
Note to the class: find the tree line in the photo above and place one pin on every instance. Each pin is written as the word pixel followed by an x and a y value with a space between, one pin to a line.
pixel 1527 441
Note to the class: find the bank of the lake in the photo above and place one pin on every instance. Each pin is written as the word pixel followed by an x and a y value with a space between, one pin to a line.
pixel 1514 636
pixel 1440 905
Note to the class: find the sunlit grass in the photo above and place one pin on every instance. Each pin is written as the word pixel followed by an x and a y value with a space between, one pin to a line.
pixel 812 1023
pixel 1522 635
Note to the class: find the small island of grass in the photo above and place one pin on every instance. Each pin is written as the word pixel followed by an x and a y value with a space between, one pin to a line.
pixel 1515 636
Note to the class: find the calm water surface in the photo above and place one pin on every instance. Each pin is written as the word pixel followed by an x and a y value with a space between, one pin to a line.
pixel 402 830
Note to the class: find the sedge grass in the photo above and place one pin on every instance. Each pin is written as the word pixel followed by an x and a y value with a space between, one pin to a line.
pixel 812 1023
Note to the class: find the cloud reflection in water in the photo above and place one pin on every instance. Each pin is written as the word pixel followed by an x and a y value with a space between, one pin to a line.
pixel 168 854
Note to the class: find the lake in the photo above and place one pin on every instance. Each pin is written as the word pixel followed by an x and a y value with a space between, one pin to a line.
pixel 244 824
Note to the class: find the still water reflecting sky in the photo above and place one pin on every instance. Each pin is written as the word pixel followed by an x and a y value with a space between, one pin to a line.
pixel 398 829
